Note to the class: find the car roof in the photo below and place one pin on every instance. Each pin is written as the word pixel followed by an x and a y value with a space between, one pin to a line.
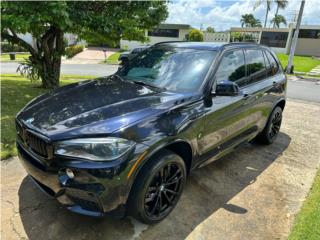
pixel 209 45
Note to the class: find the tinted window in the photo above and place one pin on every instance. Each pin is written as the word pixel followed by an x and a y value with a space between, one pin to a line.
pixel 256 65
pixel 136 50
pixel 232 67
pixel 164 33
pixel 176 69
pixel 309 33
pixel 274 39
pixel 271 64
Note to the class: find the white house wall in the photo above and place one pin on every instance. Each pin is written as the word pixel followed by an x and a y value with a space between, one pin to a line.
pixel 126 44
pixel 308 47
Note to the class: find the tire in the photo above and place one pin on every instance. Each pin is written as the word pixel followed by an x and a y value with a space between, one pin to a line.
pixel 153 197
pixel 272 128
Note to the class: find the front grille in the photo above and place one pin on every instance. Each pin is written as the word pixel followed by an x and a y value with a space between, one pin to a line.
pixel 37 145
pixel 32 141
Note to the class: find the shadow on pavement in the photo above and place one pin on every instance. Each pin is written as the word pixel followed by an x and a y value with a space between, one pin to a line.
pixel 207 190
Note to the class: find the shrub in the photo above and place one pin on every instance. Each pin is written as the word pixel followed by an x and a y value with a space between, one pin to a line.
pixel 7 47
pixel 195 35
pixel 73 50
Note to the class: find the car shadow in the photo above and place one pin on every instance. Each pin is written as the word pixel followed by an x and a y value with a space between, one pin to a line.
pixel 207 190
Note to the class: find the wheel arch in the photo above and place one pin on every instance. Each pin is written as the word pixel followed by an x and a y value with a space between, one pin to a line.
pixel 180 147
pixel 281 103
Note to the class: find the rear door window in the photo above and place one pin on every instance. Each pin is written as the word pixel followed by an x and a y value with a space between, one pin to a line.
pixel 256 65
pixel 272 65
pixel 232 68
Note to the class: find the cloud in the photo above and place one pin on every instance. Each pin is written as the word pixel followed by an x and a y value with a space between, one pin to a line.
pixel 225 14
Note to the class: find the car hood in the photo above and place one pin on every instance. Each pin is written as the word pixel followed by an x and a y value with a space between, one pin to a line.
pixel 98 106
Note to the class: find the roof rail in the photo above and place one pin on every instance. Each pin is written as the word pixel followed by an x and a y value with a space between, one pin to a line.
pixel 168 42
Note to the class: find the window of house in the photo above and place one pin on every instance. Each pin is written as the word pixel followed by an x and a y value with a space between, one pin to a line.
pixel 309 33
pixel 256 65
pixel 232 68
pixel 274 39
pixel 164 33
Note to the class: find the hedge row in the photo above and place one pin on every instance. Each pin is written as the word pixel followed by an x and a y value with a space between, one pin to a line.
pixel 73 50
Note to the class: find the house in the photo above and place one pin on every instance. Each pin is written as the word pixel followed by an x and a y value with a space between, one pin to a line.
pixel 164 32
pixel 279 39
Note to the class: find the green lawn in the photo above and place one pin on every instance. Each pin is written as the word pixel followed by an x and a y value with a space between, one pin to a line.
pixel 113 59
pixel 301 63
pixel 19 57
pixel 16 92
pixel 307 223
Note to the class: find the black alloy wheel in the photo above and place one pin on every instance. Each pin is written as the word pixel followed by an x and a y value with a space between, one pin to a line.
pixel 157 188
pixel 275 125
pixel 272 128
pixel 164 190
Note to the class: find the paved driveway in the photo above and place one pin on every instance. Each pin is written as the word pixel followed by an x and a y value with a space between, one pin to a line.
pixel 252 193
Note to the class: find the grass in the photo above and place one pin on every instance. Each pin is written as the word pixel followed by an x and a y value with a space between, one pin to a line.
pixel 113 59
pixel 20 57
pixel 301 63
pixel 16 92
pixel 307 223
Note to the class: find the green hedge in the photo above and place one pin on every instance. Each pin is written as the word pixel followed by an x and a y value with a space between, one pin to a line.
pixel 73 50
pixel 7 47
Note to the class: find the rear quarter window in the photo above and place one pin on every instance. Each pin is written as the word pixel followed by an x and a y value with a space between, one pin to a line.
pixel 256 65
pixel 271 64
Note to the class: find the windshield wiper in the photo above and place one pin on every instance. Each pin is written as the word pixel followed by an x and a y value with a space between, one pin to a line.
pixel 147 84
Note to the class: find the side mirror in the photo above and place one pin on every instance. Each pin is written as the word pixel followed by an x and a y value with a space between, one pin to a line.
pixel 227 88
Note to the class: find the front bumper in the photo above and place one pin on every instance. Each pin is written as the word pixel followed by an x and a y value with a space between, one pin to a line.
pixel 95 189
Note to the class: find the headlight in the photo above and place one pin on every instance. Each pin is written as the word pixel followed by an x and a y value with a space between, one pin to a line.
pixel 95 149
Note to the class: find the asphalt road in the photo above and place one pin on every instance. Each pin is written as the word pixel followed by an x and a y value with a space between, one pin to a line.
pixel 78 69
pixel 302 90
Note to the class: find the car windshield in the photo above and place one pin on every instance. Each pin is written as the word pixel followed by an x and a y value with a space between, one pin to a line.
pixel 168 67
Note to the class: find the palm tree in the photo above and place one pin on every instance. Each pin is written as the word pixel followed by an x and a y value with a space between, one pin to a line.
pixel 278 19
pixel 280 4
pixel 248 20
pixel 268 3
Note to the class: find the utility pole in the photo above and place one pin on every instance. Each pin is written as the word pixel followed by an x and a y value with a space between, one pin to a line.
pixel 295 39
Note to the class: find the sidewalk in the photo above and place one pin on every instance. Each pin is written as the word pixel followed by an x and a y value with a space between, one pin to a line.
pixel 315 71
pixel 91 55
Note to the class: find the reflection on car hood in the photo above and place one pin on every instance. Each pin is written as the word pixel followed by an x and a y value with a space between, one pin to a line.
pixel 87 105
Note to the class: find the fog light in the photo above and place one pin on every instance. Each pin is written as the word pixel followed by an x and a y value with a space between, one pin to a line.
pixel 69 173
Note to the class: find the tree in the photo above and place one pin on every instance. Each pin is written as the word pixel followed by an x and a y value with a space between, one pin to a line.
pixel 195 35
pixel 248 20
pixel 210 30
pixel 277 20
pixel 47 21
pixel 280 4
pixel 268 5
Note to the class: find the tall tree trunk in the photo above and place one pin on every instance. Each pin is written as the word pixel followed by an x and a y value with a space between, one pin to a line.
pixel 52 46
pixel 276 15
pixel 266 19
pixel 45 61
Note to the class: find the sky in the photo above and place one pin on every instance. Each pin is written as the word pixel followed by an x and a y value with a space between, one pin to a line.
pixel 225 14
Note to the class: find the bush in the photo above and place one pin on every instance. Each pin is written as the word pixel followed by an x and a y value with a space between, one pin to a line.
pixel 73 50
pixel 195 35
pixel 7 47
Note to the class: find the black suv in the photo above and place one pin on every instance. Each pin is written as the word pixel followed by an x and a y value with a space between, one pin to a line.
pixel 125 144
